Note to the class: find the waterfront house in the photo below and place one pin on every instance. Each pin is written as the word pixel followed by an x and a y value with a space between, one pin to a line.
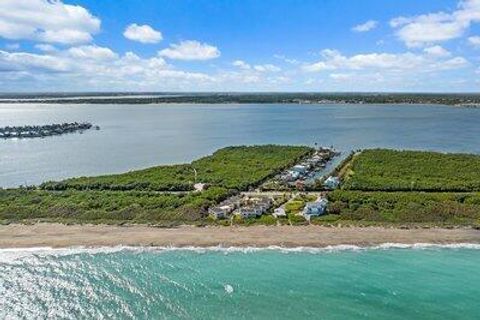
pixel 279 213
pixel 331 182
pixel 299 168
pixel 217 213
pixel 248 212
pixel 293 175
pixel 220 212
pixel 315 209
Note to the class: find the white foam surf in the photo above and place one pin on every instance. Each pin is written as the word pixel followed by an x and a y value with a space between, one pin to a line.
pixel 12 254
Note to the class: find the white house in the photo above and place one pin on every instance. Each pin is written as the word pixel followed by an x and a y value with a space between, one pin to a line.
pixel 220 212
pixel 331 182
pixel 279 212
pixel 299 168
pixel 315 209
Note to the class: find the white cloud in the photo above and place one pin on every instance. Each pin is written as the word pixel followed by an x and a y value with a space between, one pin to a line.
pixel 258 67
pixel 97 68
pixel 341 76
pixel 367 26
pixel 437 51
pixel 92 52
pixel 190 50
pixel 287 60
pixel 474 41
pixel 241 64
pixel 46 21
pixel 15 61
pixel 45 47
pixel 143 33
pixel 408 61
pixel 266 68
pixel 437 27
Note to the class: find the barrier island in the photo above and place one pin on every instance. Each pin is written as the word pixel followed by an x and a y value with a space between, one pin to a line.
pixel 377 188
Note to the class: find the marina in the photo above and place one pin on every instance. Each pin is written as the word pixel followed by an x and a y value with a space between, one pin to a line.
pixel 275 196
pixel 30 131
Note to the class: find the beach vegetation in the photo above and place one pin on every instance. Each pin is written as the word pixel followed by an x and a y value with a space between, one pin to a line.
pixel 237 168
pixel 442 208
pixel 393 170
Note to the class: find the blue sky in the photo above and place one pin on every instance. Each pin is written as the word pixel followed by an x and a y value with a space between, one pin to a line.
pixel 268 45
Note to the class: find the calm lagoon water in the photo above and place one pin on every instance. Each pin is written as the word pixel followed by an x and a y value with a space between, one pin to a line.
pixel 429 283
pixel 138 136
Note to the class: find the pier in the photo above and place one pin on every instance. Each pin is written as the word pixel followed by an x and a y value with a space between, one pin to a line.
pixel 45 130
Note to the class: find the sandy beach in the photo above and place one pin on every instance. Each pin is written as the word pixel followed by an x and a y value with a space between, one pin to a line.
pixel 58 235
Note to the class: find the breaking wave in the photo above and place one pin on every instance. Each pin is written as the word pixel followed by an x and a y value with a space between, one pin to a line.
pixel 11 254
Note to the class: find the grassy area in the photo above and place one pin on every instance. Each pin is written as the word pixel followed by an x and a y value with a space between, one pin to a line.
pixel 231 168
pixel 390 170
pixel 439 208
pixel 297 204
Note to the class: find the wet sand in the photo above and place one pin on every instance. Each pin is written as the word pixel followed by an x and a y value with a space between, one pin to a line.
pixel 58 235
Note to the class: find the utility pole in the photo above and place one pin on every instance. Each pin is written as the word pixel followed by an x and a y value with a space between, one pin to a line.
pixel 195 171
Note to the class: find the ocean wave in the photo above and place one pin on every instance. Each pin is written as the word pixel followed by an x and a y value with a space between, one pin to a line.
pixel 12 254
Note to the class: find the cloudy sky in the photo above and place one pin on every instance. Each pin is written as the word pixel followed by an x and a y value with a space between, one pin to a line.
pixel 240 45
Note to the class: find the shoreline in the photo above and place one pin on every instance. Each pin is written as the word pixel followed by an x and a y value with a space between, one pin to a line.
pixel 92 236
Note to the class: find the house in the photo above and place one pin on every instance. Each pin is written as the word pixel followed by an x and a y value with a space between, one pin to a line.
pixel 315 209
pixel 331 182
pixel 200 186
pixel 291 175
pixel 299 168
pixel 217 213
pixel 279 212
pixel 248 212
pixel 220 212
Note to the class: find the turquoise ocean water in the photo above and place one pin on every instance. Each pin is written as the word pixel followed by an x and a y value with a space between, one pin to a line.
pixel 334 283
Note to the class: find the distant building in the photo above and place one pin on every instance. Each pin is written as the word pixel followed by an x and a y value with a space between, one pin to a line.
pixel 249 212
pixel 217 213
pixel 300 185
pixel 331 182
pixel 220 212
pixel 300 169
pixel 315 209
pixel 279 213
pixel 291 175
pixel 200 186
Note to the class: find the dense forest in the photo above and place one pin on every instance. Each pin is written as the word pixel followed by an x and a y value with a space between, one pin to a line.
pixel 391 170
pixel 106 206
pixel 137 196
pixel 232 168
pixel 405 207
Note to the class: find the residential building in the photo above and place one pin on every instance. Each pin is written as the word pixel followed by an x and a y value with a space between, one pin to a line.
pixel 315 209
pixel 279 213
pixel 332 182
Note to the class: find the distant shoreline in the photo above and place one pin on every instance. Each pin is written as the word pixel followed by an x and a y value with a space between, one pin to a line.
pixel 62 236
pixel 459 100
